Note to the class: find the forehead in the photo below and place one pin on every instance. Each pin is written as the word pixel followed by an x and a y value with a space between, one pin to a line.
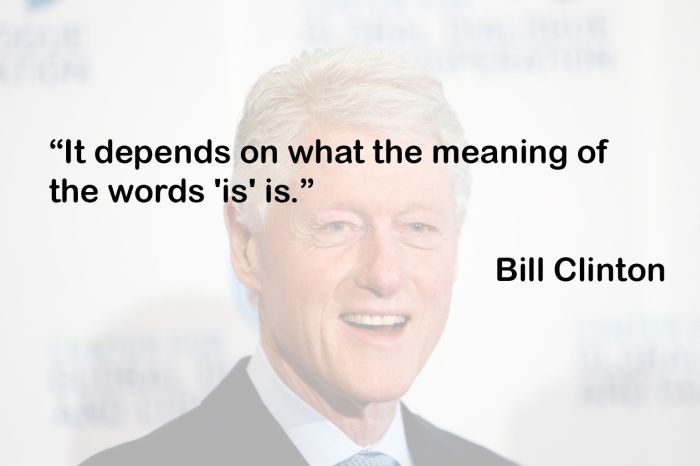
pixel 372 185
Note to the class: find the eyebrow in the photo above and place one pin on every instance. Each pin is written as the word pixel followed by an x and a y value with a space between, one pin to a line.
pixel 419 206
pixel 341 205
pixel 354 207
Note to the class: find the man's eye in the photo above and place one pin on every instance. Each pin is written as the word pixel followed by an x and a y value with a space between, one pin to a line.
pixel 417 227
pixel 337 227
pixel 421 235
pixel 337 233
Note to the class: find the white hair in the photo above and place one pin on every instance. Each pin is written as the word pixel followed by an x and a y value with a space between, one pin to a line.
pixel 353 87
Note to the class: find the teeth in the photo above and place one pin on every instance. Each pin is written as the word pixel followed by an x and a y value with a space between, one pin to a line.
pixel 373 320
pixel 391 320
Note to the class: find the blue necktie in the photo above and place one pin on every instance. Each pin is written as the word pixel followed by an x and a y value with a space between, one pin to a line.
pixel 369 458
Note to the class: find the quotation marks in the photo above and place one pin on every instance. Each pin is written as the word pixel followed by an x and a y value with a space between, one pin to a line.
pixel 70 149
pixel 305 183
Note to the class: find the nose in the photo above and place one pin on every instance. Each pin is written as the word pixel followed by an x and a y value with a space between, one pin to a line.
pixel 380 263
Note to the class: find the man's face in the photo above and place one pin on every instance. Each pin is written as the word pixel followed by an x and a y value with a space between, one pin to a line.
pixel 355 278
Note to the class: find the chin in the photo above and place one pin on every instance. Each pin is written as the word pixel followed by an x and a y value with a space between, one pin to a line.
pixel 384 395
pixel 387 386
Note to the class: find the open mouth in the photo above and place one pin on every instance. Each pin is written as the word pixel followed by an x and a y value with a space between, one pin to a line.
pixel 375 322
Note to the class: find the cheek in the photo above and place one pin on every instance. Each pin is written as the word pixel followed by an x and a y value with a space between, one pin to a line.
pixel 433 278
pixel 321 271
pixel 433 270
pixel 302 284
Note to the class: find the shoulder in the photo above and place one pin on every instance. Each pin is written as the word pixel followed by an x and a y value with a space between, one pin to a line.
pixel 189 439
pixel 205 435
pixel 431 445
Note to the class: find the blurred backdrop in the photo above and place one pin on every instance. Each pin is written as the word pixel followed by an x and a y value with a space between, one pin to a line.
pixel 116 318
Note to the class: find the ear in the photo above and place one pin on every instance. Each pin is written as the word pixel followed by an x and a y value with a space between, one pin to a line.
pixel 244 253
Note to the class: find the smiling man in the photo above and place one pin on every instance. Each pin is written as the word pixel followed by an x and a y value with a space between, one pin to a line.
pixel 352 283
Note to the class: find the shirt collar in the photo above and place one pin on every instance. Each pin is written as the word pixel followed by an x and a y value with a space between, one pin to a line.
pixel 320 442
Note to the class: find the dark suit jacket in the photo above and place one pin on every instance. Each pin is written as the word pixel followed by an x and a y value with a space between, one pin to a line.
pixel 233 427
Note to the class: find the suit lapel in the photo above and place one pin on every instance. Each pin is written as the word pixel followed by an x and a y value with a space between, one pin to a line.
pixel 426 448
pixel 243 430
pixel 246 431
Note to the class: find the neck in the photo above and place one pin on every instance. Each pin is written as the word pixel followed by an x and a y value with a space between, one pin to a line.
pixel 364 422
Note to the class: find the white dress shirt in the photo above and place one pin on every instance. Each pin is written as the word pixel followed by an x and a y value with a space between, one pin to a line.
pixel 319 441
